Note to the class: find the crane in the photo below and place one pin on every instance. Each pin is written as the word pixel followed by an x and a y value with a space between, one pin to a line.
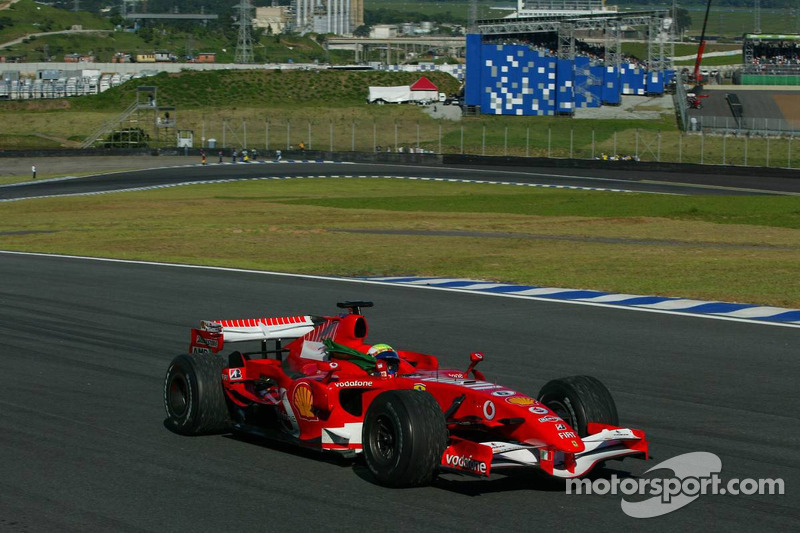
pixel 701 47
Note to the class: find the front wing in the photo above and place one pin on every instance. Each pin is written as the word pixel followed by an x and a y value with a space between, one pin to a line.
pixel 604 442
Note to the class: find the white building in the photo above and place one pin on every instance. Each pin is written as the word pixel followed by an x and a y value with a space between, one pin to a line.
pixel 339 17
pixel 275 18
pixel 383 31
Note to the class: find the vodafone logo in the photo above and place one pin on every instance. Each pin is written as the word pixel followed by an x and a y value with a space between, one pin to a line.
pixel 354 384
pixel 489 410
pixel 465 463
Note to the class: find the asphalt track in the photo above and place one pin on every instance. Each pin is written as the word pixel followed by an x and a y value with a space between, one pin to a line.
pixel 642 181
pixel 86 344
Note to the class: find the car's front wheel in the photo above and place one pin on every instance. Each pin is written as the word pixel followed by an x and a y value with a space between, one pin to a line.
pixel 193 395
pixel 580 400
pixel 404 437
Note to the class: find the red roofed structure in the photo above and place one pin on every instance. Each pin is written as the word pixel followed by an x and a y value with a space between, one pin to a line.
pixel 424 84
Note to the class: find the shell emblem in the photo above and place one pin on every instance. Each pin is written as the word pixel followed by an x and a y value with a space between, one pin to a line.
pixel 521 400
pixel 303 399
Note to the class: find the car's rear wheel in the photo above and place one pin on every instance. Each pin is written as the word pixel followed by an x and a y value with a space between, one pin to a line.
pixel 580 400
pixel 404 437
pixel 193 395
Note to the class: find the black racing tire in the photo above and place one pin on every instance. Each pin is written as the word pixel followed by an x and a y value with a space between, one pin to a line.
pixel 580 400
pixel 404 437
pixel 193 395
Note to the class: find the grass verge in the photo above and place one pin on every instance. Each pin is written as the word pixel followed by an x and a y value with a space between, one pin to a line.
pixel 731 249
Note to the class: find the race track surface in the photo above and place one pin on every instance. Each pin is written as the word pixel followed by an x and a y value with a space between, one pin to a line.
pixel 86 344
pixel 642 181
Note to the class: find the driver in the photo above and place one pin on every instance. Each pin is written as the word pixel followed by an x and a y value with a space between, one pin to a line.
pixel 387 353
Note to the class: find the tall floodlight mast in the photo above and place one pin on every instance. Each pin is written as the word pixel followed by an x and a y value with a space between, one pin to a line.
pixel 244 46
pixel 757 22
pixel 472 16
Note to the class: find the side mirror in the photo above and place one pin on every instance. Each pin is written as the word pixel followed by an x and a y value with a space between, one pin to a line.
pixel 474 359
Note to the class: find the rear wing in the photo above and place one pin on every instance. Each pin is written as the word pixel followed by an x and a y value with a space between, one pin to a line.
pixel 213 334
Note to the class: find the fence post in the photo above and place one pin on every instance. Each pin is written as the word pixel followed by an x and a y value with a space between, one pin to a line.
pixel 462 139
pixel 353 136
pixel 505 141
pixel 549 139
pixel 527 142
pixel 615 144
pixel 592 143
pixel 637 142
pixel 680 147
pixel 440 137
pixel 224 132
pixel 309 135
pixel 745 150
pixel 244 131
pixel 374 135
pixel 767 150
pixel 395 137
pixel 724 138
pixel 288 133
pixel 789 152
pixel 702 147
pixel 571 131
pixel 483 142
pixel 266 135
pixel 417 135
pixel 331 134
pixel 658 149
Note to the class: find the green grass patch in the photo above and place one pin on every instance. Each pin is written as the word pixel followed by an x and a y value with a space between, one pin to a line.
pixel 705 248
pixel 756 211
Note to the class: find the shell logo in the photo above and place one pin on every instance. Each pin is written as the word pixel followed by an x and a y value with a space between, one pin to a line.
pixel 521 400
pixel 303 399
pixel 419 386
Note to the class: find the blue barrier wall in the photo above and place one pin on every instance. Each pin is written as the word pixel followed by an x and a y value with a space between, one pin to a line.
pixel 632 79
pixel 515 79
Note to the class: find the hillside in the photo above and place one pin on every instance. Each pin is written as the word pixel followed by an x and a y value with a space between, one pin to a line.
pixel 237 88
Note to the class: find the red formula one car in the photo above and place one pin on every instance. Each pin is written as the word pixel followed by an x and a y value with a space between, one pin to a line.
pixel 327 389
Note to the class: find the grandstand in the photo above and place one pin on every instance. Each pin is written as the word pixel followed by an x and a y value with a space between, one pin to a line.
pixel 771 59
pixel 541 60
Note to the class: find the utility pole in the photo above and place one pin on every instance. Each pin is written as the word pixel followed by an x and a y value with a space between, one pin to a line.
pixel 244 46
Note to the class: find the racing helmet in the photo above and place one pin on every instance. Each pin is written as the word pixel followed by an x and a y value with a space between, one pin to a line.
pixel 387 353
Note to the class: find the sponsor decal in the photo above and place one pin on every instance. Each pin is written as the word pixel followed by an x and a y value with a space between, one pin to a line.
pixel 344 384
pixel 466 463
pixel 575 443
pixel 199 339
pixel 567 435
pixel 235 373
pixel 489 410
pixel 303 400
pixel 549 418
pixel 503 393
pixel 538 410
pixel 561 427
pixel 419 386
pixel 459 375
pixel 523 401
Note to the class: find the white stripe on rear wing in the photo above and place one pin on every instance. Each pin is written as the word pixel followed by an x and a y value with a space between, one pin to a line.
pixel 256 329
